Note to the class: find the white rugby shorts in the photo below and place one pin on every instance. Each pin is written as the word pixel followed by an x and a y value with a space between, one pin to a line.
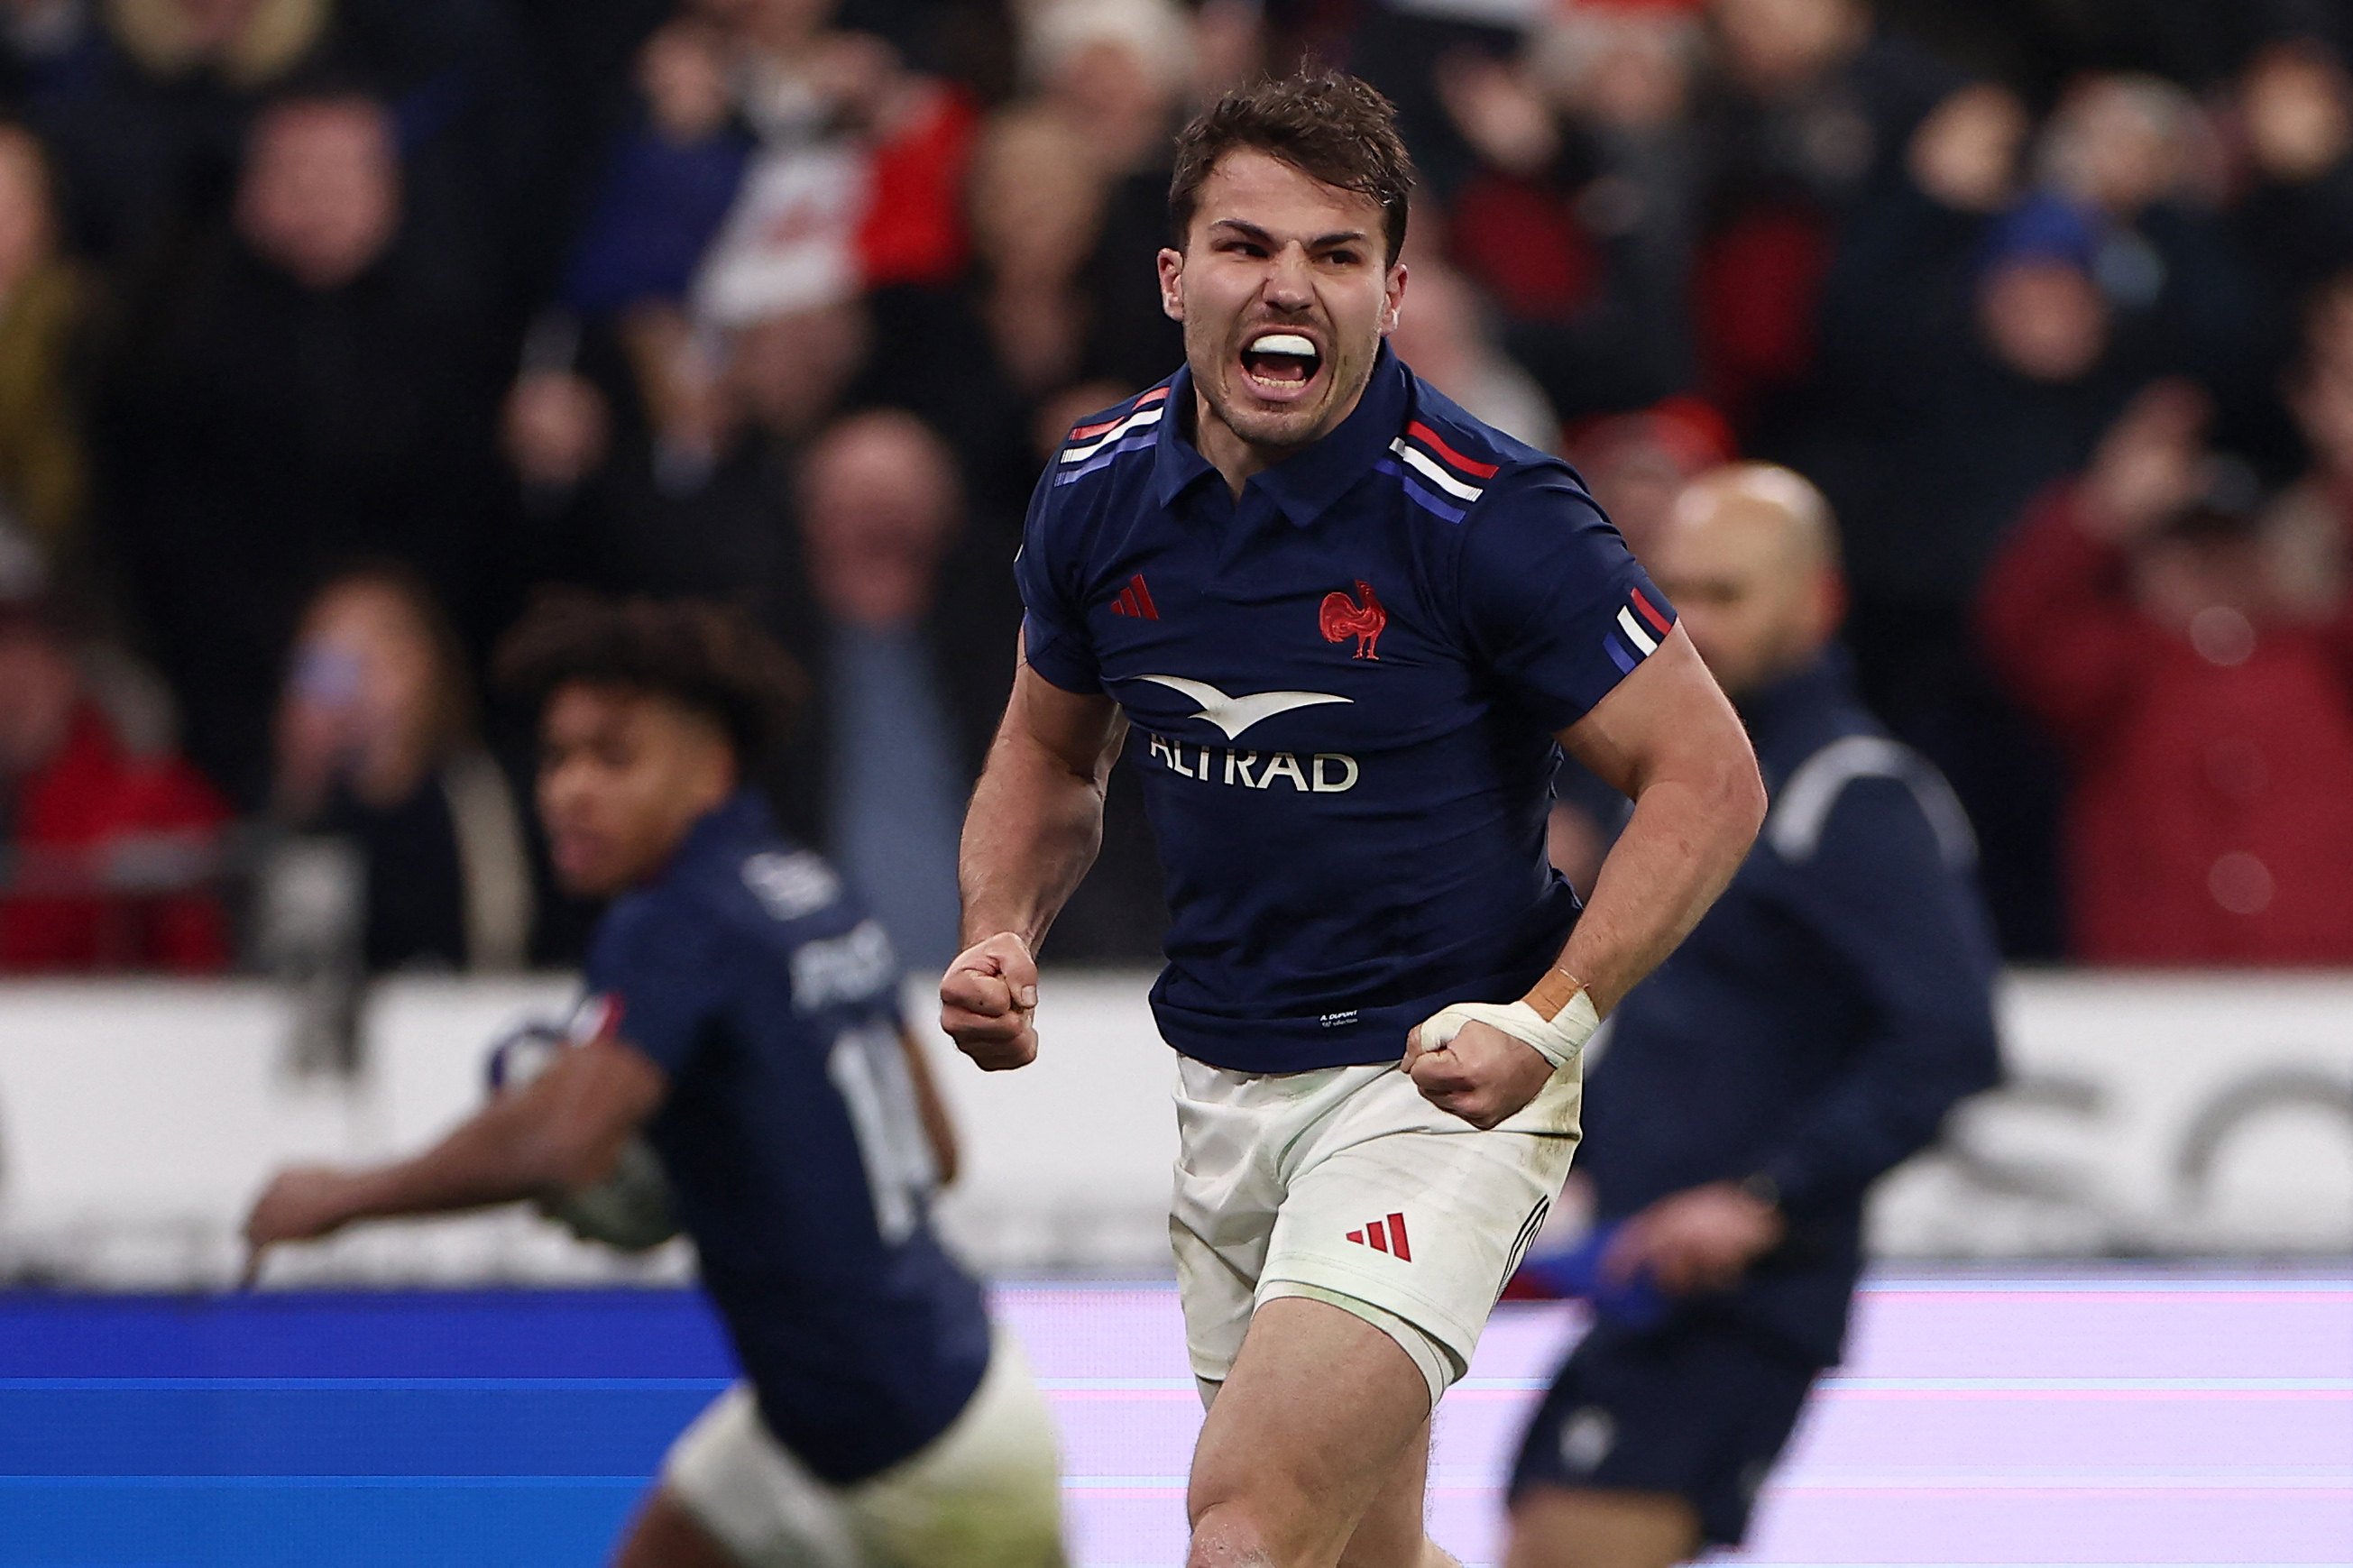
pixel 1345 1185
pixel 986 1493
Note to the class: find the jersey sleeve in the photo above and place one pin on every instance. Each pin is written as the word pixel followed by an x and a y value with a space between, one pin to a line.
pixel 1552 600
pixel 660 977
pixel 1053 615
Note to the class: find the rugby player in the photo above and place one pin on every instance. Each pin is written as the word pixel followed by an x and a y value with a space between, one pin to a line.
pixel 743 1014
pixel 1813 1031
pixel 1352 626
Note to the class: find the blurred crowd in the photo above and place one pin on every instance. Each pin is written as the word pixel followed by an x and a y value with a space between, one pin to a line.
pixel 329 329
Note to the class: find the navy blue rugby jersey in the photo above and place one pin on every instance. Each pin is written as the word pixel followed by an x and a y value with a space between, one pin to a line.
pixel 1344 687
pixel 792 1138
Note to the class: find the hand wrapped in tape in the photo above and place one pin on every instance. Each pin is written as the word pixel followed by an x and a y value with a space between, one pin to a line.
pixel 1484 1061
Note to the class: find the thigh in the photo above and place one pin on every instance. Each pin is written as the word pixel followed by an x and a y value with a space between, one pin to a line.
pixel 1691 1411
pixel 986 1493
pixel 1417 1213
pixel 732 1478
pixel 1230 1128
pixel 1319 1412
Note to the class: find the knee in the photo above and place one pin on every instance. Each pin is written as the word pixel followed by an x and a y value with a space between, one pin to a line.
pixel 1228 1535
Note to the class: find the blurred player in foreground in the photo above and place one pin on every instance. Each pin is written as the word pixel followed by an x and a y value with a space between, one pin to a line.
pixel 1353 626
pixel 743 1014
pixel 1813 1031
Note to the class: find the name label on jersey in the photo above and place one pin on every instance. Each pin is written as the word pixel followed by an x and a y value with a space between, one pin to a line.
pixel 1323 773
pixel 790 885
pixel 856 966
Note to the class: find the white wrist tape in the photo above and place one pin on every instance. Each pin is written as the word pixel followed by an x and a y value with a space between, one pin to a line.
pixel 1557 1040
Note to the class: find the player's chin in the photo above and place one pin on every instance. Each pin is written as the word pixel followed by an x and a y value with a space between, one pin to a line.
pixel 586 879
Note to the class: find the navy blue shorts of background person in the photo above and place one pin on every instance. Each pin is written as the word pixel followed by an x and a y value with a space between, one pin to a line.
pixel 1696 1407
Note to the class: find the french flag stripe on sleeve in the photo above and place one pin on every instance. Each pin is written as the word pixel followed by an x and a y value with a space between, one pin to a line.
pixel 1650 612
pixel 1640 625
pixel 1635 634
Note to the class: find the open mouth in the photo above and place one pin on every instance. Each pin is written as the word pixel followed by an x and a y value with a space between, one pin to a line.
pixel 1280 366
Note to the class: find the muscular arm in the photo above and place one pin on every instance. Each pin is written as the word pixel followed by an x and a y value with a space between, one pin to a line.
pixel 1036 819
pixel 1035 823
pixel 563 1130
pixel 1667 739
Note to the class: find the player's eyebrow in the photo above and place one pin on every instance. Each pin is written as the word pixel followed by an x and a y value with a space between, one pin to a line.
pixel 1251 232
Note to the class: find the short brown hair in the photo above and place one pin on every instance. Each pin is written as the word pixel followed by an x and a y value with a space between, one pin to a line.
pixel 706 657
pixel 1330 127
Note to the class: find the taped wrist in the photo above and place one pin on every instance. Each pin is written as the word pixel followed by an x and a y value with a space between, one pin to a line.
pixel 1557 1039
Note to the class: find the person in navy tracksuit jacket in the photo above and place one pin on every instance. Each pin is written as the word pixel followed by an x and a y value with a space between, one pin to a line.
pixel 1812 1032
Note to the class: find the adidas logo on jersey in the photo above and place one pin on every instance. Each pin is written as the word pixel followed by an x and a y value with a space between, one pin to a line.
pixel 1134 601
pixel 1384 1236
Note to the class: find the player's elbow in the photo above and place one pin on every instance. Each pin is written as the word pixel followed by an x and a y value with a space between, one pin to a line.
pixel 1735 795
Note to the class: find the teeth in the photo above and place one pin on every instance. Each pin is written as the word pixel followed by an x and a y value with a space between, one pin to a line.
pixel 1283 343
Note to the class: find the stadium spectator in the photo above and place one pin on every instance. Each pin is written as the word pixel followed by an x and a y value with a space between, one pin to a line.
pixel 377 745
pixel 1817 99
pixel 1812 1032
pixel 1989 356
pixel 857 176
pixel 2136 154
pixel 1015 329
pixel 2296 106
pixel 1036 198
pixel 108 839
pixel 1580 213
pixel 669 181
pixel 148 130
pixel 910 655
pixel 46 305
pixel 2169 636
pixel 1815 117
pixel 1119 72
pixel 319 383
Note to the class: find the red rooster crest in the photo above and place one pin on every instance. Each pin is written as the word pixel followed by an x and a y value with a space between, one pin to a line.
pixel 1342 617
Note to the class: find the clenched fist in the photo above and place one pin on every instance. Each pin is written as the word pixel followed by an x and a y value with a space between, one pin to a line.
pixel 1482 1075
pixel 987 1001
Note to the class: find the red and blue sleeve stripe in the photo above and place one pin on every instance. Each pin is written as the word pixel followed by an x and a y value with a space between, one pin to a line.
pixel 1641 626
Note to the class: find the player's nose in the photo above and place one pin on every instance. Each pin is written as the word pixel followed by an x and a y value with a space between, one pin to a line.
pixel 1289 284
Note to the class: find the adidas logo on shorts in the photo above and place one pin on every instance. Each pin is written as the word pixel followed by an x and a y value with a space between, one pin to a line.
pixel 1384 1236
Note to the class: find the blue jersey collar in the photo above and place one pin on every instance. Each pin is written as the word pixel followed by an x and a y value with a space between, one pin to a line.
pixel 1305 485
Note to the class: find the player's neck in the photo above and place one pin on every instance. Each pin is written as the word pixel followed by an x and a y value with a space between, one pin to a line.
pixel 1236 458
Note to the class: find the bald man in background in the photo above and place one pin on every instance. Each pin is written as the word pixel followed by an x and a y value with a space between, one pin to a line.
pixel 1812 1032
